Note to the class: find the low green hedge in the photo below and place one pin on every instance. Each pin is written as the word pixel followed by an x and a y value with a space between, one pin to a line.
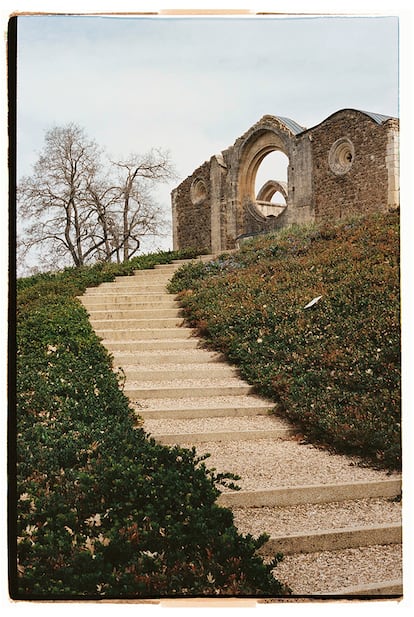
pixel 333 368
pixel 103 511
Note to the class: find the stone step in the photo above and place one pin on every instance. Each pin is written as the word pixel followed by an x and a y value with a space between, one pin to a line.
pixel 179 372
pixel 139 277
pixel 142 334
pixel 165 268
pixel 210 402
pixel 312 493
pixel 144 345
pixel 288 464
pixel 311 517
pixel 179 392
pixel 128 298
pixel 149 275
pixel 375 568
pixel 264 422
pixel 389 587
pixel 181 262
pixel 186 413
pixel 135 324
pixel 179 438
pixel 133 313
pixel 338 531
pixel 160 278
pixel 127 288
pixel 333 539
pixel 129 303
pixel 191 356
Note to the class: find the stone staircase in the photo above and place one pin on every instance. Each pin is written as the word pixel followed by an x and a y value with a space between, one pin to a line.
pixel 337 523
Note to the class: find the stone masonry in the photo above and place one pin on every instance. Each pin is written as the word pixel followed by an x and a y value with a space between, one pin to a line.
pixel 346 165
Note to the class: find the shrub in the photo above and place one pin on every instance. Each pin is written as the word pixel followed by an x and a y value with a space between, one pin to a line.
pixel 334 368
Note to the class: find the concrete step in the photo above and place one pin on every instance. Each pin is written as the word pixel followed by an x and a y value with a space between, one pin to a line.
pixel 135 324
pixel 141 358
pixel 309 518
pixel 389 588
pixel 141 276
pixel 231 424
pixel 180 262
pixel 178 392
pixel 144 345
pixel 142 334
pixel 333 539
pixel 133 287
pixel 312 493
pixel 193 408
pixel 288 464
pixel 179 438
pixel 131 313
pixel 129 303
pixel 178 373
pixel 163 274
pixel 137 299
pixel 207 412
pixel 337 534
pixel 374 570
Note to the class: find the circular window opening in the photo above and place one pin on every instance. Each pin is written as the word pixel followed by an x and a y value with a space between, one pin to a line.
pixel 341 156
pixel 198 191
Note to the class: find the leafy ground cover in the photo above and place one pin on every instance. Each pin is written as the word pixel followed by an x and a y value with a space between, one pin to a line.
pixel 103 511
pixel 333 368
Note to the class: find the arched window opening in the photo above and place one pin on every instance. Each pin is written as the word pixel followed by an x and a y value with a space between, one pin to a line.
pixel 278 199
pixel 274 166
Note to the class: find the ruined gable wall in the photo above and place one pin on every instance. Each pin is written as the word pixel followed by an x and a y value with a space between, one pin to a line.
pixel 217 204
pixel 191 203
pixel 363 188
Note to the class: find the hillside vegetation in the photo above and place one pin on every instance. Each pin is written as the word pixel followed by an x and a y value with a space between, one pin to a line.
pixel 103 511
pixel 333 368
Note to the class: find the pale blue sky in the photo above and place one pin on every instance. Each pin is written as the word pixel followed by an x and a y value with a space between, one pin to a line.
pixel 193 85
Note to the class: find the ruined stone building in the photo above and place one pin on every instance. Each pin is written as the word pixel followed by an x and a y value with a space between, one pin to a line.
pixel 346 165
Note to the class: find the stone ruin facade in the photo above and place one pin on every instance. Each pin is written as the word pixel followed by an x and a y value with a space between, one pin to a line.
pixel 344 166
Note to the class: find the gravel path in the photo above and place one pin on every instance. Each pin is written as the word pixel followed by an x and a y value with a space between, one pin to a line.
pixel 262 464
pixel 269 463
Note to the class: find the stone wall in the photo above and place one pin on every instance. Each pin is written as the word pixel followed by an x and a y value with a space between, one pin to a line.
pixel 191 209
pixel 350 174
pixel 346 165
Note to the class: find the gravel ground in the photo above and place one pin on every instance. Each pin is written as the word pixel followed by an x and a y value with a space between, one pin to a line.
pixel 268 463
pixel 329 571
pixel 206 425
pixel 313 517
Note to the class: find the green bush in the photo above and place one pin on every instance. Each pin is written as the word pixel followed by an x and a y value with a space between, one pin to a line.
pixel 102 509
pixel 334 368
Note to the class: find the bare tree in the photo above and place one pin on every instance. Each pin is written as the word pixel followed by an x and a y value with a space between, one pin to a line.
pixel 72 207
pixel 140 216
pixel 53 200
